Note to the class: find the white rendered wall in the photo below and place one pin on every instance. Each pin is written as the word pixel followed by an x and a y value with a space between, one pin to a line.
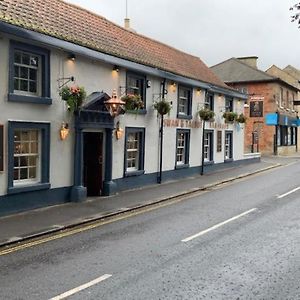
pixel 98 76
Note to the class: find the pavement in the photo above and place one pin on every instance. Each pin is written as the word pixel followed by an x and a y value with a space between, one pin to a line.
pixel 32 224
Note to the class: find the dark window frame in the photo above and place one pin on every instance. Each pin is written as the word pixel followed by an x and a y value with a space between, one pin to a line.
pixel 231 146
pixel 219 140
pixel 44 160
pixel 188 115
pixel 228 104
pixel 209 101
pixel 1 147
pixel 142 88
pixel 141 168
pixel 187 133
pixel 211 146
pixel 44 98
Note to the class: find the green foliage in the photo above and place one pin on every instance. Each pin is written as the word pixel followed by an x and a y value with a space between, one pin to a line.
pixel 241 118
pixel 230 116
pixel 206 114
pixel 133 102
pixel 74 96
pixel 163 107
pixel 296 16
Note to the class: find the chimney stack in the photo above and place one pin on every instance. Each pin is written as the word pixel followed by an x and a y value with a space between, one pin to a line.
pixel 127 23
pixel 249 60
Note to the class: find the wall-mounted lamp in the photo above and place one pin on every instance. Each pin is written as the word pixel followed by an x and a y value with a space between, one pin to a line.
pixel 148 83
pixel 173 85
pixel 198 90
pixel 64 131
pixel 119 131
pixel 114 105
pixel 72 57
pixel 116 69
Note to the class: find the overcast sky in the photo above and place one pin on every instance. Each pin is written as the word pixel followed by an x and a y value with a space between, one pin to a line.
pixel 213 30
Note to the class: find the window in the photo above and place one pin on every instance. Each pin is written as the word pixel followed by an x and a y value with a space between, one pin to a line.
pixel 243 89
pixel 208 146
pixel 184 106
pixel 29 74
pixel 134 151
pixel 228 145
pixel 228 104
pixel 209 101
pixel 281 97
pixel 28 156
pixel 219 141
pixel 136 85
pixel 1 148
pixel 182 148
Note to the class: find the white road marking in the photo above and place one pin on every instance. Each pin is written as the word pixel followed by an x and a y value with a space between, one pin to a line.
pixel 218 225
pixel 290 192
pixel 81 287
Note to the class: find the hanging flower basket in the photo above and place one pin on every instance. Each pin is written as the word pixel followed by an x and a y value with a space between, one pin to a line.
pixel 163 107
pixel 241 118
pixel 230 116
pixel 74 96
pixel 132 102
pixel 206 114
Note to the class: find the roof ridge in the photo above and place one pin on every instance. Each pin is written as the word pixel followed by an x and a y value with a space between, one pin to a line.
pixel 253 68
pixel 126 30
pixel 78 25
pixel 220 63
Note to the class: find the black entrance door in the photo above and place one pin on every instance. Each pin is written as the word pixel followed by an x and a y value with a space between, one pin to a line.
pixel 93 162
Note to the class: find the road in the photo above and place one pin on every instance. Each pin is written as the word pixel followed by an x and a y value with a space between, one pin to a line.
pixel 237 241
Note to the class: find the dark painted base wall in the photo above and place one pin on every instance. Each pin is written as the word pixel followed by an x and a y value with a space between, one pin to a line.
pixel 148 179
pixel 10 204
pixel 15 203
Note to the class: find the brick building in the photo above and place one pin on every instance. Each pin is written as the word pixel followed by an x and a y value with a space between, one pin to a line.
pixel 268 95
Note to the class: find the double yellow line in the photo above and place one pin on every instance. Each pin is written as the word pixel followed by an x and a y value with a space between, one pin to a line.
pixel 95 224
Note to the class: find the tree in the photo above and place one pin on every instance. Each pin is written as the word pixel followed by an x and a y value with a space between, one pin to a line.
pixel 296 10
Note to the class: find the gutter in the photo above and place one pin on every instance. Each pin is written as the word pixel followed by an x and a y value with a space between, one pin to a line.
pixel 110 59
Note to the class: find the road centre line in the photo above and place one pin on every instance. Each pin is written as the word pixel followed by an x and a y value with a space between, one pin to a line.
pixel 81 287
pixel 218 225
pixel 288 193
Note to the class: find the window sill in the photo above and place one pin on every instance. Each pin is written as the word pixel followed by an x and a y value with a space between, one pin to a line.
pixel 185 117
pixel 184 166
pixel 28 188
pixel 29 99
pixel 134 173
pixel 137 112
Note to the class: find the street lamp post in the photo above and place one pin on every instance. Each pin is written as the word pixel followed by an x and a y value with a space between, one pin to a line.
pixel 161 131
pixel 202 158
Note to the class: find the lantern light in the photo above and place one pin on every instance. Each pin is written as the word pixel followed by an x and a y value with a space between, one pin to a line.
pixel 114 105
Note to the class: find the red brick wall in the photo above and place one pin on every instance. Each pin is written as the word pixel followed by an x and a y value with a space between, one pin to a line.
pixel 269 92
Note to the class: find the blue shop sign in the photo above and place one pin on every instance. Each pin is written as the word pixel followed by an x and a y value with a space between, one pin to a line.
pixel 271 119
pixel 277 119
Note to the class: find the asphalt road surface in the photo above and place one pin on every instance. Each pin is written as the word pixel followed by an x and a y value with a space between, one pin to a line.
pixel 237 241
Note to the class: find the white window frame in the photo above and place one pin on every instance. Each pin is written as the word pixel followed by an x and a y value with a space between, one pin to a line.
pixel 28 67
pixel 136 158
pixel 27 155
pixel 228 145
